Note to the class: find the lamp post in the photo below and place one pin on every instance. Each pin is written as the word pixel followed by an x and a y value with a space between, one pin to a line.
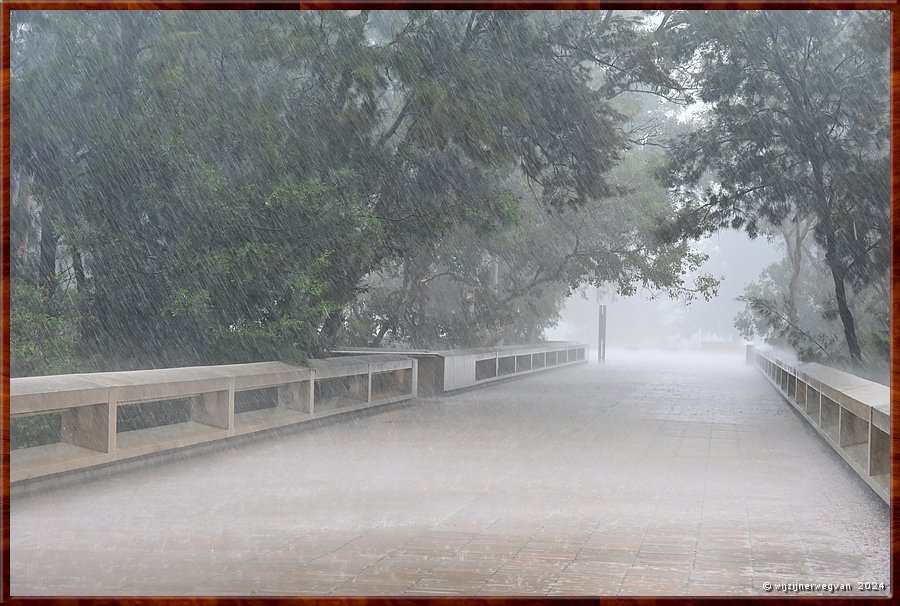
pixel 601 336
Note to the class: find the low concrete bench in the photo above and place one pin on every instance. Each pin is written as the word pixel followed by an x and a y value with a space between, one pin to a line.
pixel 214 402
pixel 851 413
pixel 442 371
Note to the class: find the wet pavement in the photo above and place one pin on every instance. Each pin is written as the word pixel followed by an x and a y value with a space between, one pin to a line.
pixel 669 474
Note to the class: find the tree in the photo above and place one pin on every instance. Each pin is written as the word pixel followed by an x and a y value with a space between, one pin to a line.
pixel 503 277
pixel 191 251
pixel 796 127
pixel 215 186
pixel 810 324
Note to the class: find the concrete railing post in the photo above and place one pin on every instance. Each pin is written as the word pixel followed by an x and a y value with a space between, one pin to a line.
pixel 296 396
pixel 869 453
pixel 87 427
pixel 212 408
pixel 112 426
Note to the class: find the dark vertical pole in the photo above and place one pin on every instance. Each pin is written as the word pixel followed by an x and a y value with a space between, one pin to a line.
pixel 601 336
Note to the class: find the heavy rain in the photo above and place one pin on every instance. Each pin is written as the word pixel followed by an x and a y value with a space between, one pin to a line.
pixel 477 302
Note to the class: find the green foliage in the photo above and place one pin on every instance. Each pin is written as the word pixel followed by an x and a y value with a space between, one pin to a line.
pixel 815 332
pixel 507 284
pixel 37 430
pixel 797 126
pixel 42 338
pixel 222 186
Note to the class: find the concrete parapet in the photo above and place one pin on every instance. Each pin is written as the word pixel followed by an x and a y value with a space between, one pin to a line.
pixel 208 403
pixel 448 370
pixel 852 414
pixel 203 398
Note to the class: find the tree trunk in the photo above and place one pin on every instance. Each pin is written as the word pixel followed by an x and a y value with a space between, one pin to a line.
pixel 332 327
pixel 838 274
pixel 23 201
pixel 794 249
pixel 78 267
pixel 86 328
pixel 833 261
pixel 382 331
pixel 395 318
pixel 47 267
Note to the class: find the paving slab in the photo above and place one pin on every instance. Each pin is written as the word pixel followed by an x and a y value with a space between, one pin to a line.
pixel 663 474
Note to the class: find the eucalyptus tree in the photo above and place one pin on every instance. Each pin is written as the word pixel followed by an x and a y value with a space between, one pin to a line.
pixel 796 126
pixel 811 324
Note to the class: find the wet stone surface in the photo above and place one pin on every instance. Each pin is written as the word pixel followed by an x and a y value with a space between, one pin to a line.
pixel 670 475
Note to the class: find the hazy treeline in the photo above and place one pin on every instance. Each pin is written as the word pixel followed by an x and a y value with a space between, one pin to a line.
pixel 213 187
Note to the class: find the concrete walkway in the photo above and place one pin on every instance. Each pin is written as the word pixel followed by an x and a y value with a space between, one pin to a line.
pixel 670 474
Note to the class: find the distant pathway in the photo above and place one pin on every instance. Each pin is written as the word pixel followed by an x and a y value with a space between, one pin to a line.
pixel 675 474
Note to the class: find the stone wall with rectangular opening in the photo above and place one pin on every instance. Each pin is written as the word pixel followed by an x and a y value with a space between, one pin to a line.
pixel 255 399
pixel 485 369
pixel 430 375
pixel 272 406
pixel 523 363
pixel 800 398
pixel 91 419
pixel 56 441
pixel 880 458
pixel 341 392
pixel 854 437
pixel 151 426
pixel 852 413
pixel 830 417
pixel 145 415
pixel 63 423
pixel 506 365
pixel 812 403
pixel 391 384
pixel 296 395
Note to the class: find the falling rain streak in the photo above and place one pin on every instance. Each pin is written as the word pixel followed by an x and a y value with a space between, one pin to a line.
pixel 306 302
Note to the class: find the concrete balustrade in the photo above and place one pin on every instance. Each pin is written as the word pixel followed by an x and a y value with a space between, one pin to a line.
pixel 187 406
pixel 268 395
pixel 442 371
pixel 852 414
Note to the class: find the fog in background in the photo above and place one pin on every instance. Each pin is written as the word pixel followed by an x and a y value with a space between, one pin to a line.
pixel 648 320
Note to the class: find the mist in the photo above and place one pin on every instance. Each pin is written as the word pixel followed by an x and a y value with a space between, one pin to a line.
pixel 649 321
pixel 307 303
